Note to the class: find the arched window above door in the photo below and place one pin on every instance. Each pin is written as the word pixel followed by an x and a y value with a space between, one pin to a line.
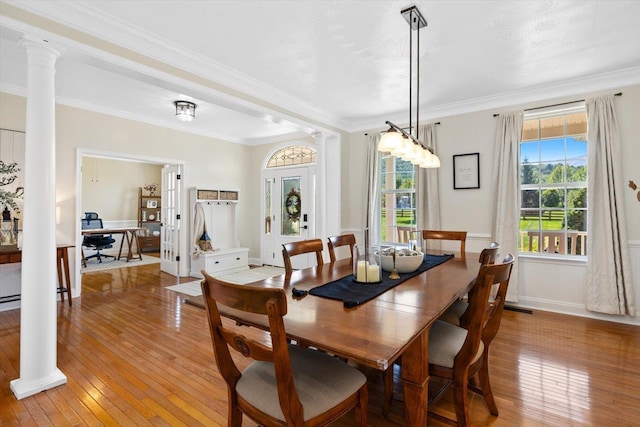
pixel 293 155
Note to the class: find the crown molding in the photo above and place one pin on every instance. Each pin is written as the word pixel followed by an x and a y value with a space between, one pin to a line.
pixel 84 17
pixel 170 124
pixel 577 87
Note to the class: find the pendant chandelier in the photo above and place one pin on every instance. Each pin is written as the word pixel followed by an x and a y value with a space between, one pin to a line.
pixel 396 140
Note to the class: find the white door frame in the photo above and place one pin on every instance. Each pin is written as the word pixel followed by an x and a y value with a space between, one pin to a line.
pixel 84 152
pixel 271 244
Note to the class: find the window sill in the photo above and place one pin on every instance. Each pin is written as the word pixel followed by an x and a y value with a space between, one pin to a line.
pixel 553 258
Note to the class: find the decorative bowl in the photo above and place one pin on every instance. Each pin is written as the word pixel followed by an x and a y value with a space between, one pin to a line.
pixel 407 261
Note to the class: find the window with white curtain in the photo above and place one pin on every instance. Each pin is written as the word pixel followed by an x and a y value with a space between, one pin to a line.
pixel 398 199
pixel 553 182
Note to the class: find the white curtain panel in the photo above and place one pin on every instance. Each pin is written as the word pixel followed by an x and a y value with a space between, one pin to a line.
pixel 609 285
pixel 506 194
pixel 372 214
pixel 427 192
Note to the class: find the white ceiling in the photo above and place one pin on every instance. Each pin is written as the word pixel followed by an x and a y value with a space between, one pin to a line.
pixel 292 67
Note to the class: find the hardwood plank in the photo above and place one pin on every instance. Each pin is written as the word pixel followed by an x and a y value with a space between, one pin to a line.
pixel 135 354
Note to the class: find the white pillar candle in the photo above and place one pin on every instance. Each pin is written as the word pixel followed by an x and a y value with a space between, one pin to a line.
pixel 361 273
pixel 373 273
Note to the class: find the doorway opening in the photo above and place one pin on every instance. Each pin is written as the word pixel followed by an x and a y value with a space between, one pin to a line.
pixel 109 184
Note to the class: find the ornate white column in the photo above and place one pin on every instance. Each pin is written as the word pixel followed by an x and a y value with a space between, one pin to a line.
pixel 38 323
pixel 328 194
pixel 321 185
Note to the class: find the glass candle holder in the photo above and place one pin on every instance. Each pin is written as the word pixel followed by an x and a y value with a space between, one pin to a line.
pixel 366 265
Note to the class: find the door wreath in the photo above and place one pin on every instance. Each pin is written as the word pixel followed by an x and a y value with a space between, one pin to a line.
pixel 292 205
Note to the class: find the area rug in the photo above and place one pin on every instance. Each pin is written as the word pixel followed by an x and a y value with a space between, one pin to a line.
pixel 241 278
pixel 110 263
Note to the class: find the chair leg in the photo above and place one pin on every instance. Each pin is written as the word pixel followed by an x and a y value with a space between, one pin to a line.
pixel 460 398
pixel 485 385
pixel 234 413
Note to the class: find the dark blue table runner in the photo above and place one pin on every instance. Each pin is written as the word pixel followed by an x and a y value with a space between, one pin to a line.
pixel 353 293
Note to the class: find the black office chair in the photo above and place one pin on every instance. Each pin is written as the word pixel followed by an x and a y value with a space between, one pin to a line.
pixel 91 221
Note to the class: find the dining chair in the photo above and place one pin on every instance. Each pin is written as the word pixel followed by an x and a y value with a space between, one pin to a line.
pixel 283 385
pixel 456 310
pixel 341 240
pixel 456 354
pixel 446 235
pixel 303 247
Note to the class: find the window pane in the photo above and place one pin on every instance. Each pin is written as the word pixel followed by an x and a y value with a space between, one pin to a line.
pixel 530 198
pixel 553 198
pixel 291 206
pixel 552 150
pixel 404 180
pixel 530 152
pixel 294 155
pixel 552 173
pixel 553 177
pixel 576 198
pixel 529 173
pixel 397 197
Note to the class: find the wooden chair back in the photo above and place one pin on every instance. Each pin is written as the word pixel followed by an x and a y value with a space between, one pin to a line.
pixel 342 240
pixel 303 247
pixel 471 358
pixel 489 254
pixel 446 235
pixel 477 314
pixel 270 302
pixel 496 308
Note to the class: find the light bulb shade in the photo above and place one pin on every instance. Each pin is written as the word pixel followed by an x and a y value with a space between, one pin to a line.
pixel 185 110
pixel 430 161
pixel 389 141
pixel 412 152
pixel 403 148
pixel 419 154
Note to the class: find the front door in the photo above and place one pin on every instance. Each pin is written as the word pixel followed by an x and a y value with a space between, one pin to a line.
pixel 288 212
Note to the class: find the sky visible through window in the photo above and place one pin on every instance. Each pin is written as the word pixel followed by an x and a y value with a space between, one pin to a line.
pixel 553 150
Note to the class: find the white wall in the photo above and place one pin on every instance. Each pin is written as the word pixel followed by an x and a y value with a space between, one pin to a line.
pixel 550 284
pixel 110 187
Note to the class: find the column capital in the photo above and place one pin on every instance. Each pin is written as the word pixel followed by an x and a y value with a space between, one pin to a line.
pixel 319 136
pixel 40 50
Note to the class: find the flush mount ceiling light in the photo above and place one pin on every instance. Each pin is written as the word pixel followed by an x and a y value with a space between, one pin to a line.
pixel 396 140
pixel 185 110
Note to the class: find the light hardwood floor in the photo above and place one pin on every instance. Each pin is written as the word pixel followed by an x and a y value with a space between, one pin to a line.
pixel 135 354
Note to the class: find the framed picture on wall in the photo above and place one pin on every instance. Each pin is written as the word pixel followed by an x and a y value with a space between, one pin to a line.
pixel 466 171
pixel 152 204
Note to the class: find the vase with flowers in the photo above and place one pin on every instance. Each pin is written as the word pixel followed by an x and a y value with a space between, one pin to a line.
pixel 151 188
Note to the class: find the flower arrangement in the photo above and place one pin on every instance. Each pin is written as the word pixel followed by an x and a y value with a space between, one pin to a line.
pixel 151 188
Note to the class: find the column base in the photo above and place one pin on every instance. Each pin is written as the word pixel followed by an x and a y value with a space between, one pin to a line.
pixel 23 388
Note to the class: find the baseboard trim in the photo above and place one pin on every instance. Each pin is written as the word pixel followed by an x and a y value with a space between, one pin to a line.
pixel 518 309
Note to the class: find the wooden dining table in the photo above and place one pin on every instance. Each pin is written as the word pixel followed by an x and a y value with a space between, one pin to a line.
pixel 377 332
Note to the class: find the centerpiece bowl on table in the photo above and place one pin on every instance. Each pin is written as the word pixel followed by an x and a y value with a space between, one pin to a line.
pixel 407 261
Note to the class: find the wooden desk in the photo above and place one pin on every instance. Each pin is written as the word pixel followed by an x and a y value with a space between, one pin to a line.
pixel 11 254
pixel 130 234
pixel 379 331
